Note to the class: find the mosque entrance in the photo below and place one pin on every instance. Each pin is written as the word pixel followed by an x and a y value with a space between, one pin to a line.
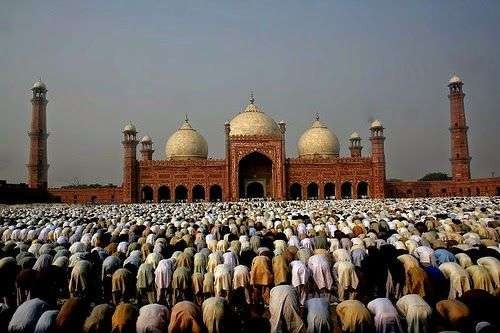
pixel 255 176
pixel 255 190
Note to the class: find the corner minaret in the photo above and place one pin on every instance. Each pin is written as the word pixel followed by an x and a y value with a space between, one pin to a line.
pixel 378 159
pixel 355 145
pixel 37 161
pixel 460 159
pixel 147 148
pixel 130 180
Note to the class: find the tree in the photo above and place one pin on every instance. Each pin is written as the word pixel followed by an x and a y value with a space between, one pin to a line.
pixel 433 176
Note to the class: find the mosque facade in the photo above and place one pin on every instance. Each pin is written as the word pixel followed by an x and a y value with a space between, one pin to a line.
pixel 255 164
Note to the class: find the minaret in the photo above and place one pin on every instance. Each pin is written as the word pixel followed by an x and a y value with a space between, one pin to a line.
pixel 130 179
pixel 460 159
pixel 378 159
pixel 355 145
pixel 37 163
pixel 147 148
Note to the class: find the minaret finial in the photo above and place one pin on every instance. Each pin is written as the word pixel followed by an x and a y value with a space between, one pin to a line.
pixel 186 119
pixel 252 98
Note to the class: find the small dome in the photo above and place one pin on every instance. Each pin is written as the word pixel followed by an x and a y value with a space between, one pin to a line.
pixel 146 139
pixel 130 128
pixel 318 141
pixel 376 124
pixel 354 136
pixel 39 85
pixel 186 144
pixel 455 79
pixel 252 121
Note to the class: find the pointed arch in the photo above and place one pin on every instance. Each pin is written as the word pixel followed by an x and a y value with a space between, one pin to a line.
pixel 312 191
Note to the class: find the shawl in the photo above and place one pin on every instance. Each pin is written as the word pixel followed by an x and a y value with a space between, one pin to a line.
pixel 463 260
pixel 320 271
pixel 300 273
pixel 71 316
pixel 109 266
pixel 79 280
pixel 230 259
pixel 44 261
pixel 260 273
pixel 99 320
pixel 284 310
pixel 222 278
pixel 346 274
pixel 214 311
pixel 280 270
pixel 153 318
pixel 200 263
pixel 416 311
pixel 354 316
pixel 208 283
pixel 417 282
pixel 459 279
pixel 181 279
pixel 241 277
pixel 186 317
pixel 493 266
pixel 27 315
pixel 480 278
pixel 121 281
pixel 453 311
pixel 386 316
pixel 124 318
pixel 163 274
pixel 145 277
pixel 318 315
pixel 197 283
pixel 46 321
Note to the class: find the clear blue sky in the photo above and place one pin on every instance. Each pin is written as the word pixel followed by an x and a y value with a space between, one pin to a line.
pixel 150 62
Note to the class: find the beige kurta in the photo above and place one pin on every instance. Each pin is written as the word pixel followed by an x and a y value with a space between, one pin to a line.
pixel 354 316
pixel 416 311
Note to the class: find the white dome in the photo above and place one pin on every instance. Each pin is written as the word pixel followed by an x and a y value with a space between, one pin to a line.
pixel 355 135
pixel 39 85
pixel 455 79
pixel 318 141
pixel 252 121
pixel 129 128
pixel 376 124
pixel 186 144
pixel 146 139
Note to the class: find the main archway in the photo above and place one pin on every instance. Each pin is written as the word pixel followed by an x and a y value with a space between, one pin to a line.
pixel 255 176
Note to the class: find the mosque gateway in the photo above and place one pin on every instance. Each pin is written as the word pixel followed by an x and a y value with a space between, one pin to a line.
pixel 255 164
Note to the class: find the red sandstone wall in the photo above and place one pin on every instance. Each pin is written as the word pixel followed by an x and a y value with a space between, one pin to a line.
pixel 472 187
pixel 205 173
pixel 99 195
pixel 322 171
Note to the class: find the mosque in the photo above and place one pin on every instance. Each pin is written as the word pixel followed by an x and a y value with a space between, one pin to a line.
pixel 255 164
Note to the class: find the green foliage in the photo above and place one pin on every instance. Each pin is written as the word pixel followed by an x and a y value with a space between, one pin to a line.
pixel 433 176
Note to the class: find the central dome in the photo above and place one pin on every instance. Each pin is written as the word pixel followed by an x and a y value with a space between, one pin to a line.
pixel 186 144
pixel 318 141
pixel 252 121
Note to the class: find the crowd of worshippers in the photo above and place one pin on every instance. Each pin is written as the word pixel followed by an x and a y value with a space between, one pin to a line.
pixel 408 265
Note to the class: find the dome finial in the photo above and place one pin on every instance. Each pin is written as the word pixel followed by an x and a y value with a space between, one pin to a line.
pixel 317 116
pixel 252 98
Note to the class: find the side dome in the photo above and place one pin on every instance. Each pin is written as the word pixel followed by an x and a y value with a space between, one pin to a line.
pixel 129 128
pixel 252 121
pixel 455 79
pixel 39 85
pixel 186 144
pixel 318 141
